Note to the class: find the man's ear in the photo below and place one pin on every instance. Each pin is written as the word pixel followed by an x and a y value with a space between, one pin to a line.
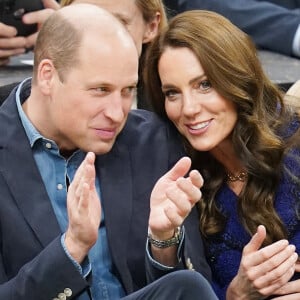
pixel 46 75
pixel 152 29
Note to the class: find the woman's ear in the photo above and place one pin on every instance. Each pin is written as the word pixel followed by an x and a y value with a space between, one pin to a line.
pixel 152 29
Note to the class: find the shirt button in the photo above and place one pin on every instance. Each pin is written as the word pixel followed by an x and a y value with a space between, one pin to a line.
pixel 48 145
pixel 68 292
pixel 60 186
pixel 62 296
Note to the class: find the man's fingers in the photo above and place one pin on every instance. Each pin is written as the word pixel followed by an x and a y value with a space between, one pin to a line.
pixel 84 181
pixel 87 173
pixel 83 197
pixel 90 172
pixel 78 176
pixel 89 159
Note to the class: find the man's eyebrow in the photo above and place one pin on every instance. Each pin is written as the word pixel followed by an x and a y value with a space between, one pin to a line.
pixel 110 84
pixel 134 83
pixel 122 17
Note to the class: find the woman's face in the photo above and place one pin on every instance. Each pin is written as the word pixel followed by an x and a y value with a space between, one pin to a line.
pixel 203 116
pixel 130 15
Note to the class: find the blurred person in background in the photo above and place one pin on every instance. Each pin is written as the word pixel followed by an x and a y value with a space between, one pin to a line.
pixel 272 24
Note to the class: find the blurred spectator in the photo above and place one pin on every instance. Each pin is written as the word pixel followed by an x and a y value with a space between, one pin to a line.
pixel 11 44
pixel 273 24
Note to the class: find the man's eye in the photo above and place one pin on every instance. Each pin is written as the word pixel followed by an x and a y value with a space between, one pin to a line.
pixel 101 89
pixel 124 21
pixel 129 91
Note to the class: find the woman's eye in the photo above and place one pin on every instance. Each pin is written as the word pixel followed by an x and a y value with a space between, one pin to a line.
pixel 170 93
pixel 205 85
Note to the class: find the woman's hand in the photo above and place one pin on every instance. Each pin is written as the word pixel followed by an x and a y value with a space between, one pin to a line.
pixel 172 199
pixel 291 290
pixel 262 271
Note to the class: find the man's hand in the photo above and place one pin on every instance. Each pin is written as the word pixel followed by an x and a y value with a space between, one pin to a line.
pixel 84 210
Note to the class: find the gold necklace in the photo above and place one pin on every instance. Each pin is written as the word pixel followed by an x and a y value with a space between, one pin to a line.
pixel 242 176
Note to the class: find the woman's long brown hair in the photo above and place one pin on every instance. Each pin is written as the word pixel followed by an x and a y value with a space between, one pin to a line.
pixel 231 64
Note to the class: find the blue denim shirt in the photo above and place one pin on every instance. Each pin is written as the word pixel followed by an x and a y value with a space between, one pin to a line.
pixel 54 170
